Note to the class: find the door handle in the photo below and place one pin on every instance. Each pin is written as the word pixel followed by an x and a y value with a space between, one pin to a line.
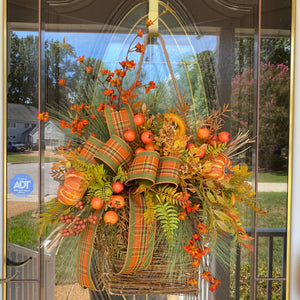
pixel 11 263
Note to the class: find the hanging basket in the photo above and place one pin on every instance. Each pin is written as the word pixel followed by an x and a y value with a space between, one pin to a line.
pixel 157 275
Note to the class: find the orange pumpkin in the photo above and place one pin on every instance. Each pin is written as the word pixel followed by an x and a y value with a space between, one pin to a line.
pixel 73 188
pixel 221 168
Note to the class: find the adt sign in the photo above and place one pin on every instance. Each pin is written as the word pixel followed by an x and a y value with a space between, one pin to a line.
pixel 21 185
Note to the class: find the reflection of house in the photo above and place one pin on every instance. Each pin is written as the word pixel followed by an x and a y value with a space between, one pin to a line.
pixel 22 127
pixel 54 136
pixel 21 119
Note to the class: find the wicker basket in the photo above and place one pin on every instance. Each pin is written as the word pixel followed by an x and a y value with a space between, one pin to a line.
pixel 156 279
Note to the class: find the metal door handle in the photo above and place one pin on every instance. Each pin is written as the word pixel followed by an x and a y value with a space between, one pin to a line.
pixel 11 263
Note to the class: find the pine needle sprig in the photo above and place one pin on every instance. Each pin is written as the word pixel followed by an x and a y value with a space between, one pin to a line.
pixel 183 109
pixel 239 143
pixel 215 121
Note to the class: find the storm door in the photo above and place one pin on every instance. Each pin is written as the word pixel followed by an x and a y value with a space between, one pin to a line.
pixel 208 53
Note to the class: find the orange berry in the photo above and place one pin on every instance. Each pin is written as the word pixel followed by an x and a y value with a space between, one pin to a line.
pixel 111 217
pixel 117 187
pixel 203 133
pixel 138 150
pixel 150 147
pixel 138 119
pixel 147 137
pixel 97 202
pixel 117 201
pixel 213 140
pixel 129 135
pixel 224 136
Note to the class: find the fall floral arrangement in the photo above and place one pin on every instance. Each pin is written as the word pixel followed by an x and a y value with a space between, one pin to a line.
pixel 135 186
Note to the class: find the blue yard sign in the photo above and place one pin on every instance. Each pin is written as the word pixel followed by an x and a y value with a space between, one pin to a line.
pixel 21 185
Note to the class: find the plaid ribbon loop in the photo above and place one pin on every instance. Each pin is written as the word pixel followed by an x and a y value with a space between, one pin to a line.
pixel 144 168
pixel 114 153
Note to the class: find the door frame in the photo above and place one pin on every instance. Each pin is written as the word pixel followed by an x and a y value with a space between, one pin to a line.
pixel 293 224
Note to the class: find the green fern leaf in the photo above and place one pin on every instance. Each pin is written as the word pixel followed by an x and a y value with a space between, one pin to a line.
pixel 167 215
pixel 168 193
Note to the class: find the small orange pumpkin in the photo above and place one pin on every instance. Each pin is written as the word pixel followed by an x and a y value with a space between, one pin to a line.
pixel 221 168
pixel 73 188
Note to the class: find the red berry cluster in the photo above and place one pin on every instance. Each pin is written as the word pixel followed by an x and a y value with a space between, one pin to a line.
pixel 67 219
pixel 92 219
pixel 79 205
pixel 79 225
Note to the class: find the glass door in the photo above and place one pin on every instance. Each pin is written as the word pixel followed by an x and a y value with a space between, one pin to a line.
pixel 209 54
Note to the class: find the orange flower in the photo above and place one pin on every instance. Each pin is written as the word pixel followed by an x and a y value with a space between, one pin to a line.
pixel 104 72
pixel 214 285
pixel 148 22
pixel 130 64
pixel 108 92
pixel 101 107
pixel 140 33
pixel 113 97
pixel 196 236
pixel 43 116
pixel 122 63
pixel 181 215
pixel 202 227
pixel 151 86
pixel 62 82
pixel 140 48
pixel 196 263
pixel 192 281
pixel 69 144
pixel 63 124
pixel 40 116
pixel 117 71
pixel 80 59
pixel 89 69
pixel 123 74
pixel 206 275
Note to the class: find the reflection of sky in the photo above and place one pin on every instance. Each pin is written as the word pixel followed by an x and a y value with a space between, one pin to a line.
pixel 114 47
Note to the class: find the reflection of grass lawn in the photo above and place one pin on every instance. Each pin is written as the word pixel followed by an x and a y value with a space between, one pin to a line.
pixel 275 206
pixel 23 231
pixel 272 177
pixel 29 157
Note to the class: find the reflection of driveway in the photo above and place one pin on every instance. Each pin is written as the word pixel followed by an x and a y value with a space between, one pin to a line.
pixel 31 169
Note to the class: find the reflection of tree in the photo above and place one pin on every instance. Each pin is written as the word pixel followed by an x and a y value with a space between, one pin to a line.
pixel 23 73
pixel 273 107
